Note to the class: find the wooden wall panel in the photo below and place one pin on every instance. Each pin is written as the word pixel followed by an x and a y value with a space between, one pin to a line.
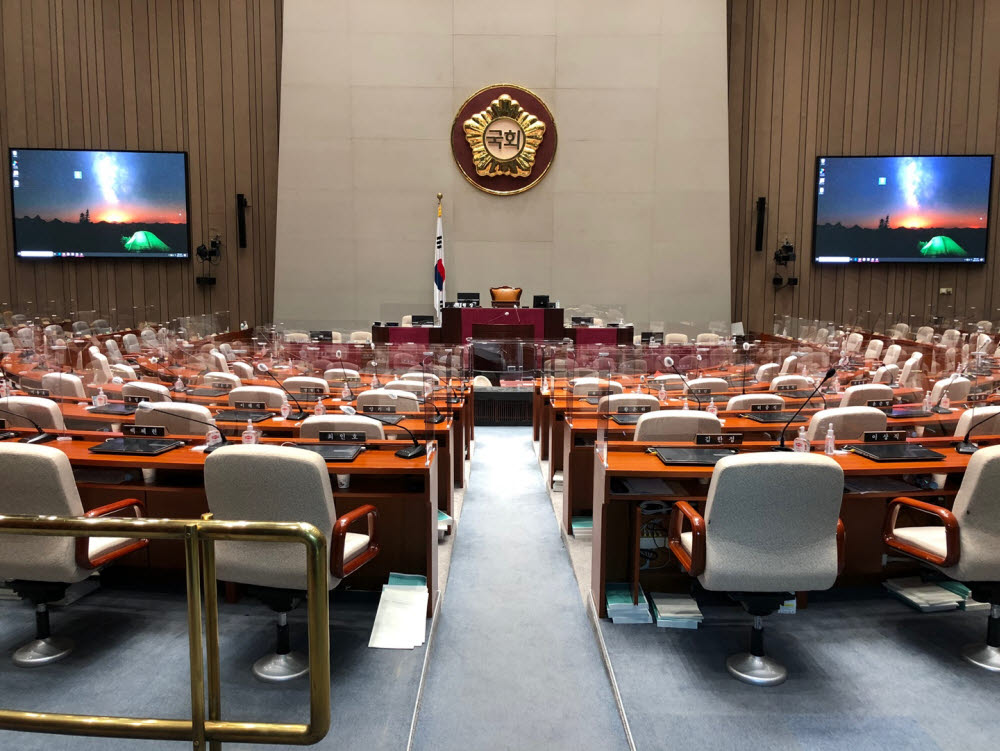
pixel 200 76
pixel 860 77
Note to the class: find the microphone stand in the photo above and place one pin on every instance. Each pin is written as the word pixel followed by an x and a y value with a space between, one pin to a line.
pixel 670 362
pixel 301 412
pixel 781 441
pixel 966 446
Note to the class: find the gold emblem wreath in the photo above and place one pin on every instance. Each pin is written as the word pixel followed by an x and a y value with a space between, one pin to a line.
pixel 488 165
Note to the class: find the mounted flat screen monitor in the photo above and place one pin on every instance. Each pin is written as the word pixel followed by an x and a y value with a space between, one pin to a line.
pixel 99 204
pixel 902 209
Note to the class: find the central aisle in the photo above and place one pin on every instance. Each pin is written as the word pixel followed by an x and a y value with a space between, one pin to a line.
pixel 515 663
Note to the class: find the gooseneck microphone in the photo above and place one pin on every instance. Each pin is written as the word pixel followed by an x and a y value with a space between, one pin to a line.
pixel 150 407
pixel 966 446
pixel 669 362
pixel 429 392
pixel 301 415
pixel 410 452
pixel 781 441
pixel 347 383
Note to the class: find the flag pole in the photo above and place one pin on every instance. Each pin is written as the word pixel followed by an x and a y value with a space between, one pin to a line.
pixel 439 295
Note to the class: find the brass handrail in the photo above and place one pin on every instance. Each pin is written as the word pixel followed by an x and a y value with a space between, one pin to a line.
pixel 205 725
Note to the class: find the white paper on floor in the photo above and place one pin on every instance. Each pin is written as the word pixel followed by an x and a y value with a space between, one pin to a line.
pixel 401 620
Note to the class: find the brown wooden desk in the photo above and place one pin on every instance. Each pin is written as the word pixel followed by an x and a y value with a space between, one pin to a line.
pixel 403 490
pixel 615 553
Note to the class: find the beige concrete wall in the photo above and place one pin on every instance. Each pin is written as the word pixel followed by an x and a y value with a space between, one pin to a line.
pixel 635 210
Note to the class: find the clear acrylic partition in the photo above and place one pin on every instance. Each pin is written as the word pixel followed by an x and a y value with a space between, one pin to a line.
pixel 595 315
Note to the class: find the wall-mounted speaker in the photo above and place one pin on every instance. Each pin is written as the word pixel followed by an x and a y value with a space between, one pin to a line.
pixel 759 237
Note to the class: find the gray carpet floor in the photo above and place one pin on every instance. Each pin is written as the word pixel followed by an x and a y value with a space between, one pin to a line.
pixel 131 659
pixel 515 664
pixel 865 672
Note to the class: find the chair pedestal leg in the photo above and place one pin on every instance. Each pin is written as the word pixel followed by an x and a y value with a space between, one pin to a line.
pixel 987 655
pixel 754 667
pixel 44 648
pixel 284 664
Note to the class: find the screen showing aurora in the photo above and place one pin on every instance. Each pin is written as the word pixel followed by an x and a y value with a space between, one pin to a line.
pixel 89 204
pixel 904 208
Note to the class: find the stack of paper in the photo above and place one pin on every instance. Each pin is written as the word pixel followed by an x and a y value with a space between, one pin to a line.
pixel 928 598
pixel 675 611
pixel 621 609
pixel 401 620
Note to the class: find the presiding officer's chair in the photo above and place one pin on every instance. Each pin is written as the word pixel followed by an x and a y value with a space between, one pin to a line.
pixel 771 527
pixel 282 484
pixel 38 480
pixel 964 546
pixel 505 297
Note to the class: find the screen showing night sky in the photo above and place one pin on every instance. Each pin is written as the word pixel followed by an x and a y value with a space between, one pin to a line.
pixel 78 204
pixel 907 208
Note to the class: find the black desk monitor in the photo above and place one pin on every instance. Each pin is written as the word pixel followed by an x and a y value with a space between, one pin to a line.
pixel 334 452
pixel 136 446
pixel 540 301
pixel 582 320
pixel 422 320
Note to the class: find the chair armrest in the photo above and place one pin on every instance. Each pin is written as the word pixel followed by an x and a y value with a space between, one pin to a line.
pixel 338 567
pixel 83 559
pixel 952 549
pixel 693 563
pixel 841 537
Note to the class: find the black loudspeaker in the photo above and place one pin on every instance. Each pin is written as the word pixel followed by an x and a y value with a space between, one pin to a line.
pixel 759 241
pixel 241 218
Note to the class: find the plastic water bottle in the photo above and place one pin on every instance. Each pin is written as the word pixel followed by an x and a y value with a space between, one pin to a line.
pixel 927 401
pixel 286 408
pixel 3 388
pixel 212 437
pixel 836 385
pixel 662 393
pixel 374 383
pixel 320 408
pixel 179 384
pixel 345 393
pixel 801 443
pixel 100 398
pixel 249 435
pixel 685 403
pixel 711 408
pixel 830 444
pixel 945 401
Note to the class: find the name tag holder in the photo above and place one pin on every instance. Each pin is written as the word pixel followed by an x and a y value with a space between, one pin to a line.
pixel 312 390
pixel 605 392
pixel 718 439
pixel 135 399
pixel 880 403
pixel 700 391
pixel 766 407
pixel 250 406
pixel 634 410
pixel 379 409
pixel 45 393
pixel 884 436
pixel 789 387
pixel 982 396
pixel 224 385
pixel 340 436
pixel 857 382
pixel 144 431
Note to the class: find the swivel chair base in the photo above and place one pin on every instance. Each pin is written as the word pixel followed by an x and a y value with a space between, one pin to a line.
pixel 757 670
pixel 987 656
pixel 40 652
pixel 277 668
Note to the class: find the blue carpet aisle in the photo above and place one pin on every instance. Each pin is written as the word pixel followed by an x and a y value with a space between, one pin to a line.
pixel 515 664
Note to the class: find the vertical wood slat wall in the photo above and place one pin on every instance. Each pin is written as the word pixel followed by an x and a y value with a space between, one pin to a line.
pixel 854 77
pixel 170 75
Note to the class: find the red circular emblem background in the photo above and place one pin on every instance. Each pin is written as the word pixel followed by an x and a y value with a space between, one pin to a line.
pixel 504 185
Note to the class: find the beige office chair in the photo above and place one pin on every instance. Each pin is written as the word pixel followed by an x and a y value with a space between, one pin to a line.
pixel 131 342
pixel 853 344
pixel 986 326
pixel 22 411
pixel 282 484
pixel 874 350
pixel 114 353
pixel 982 344
pixel 148 337
pixel 360 336
pixel 241 369
pixel 100 326
pixel 771 527
pixel 964 546
pixel 957 388
pixel 314 424
pixel 782 382
pixel 420 376
pixel 887 374
pixel 900 331
pixel 26 337
pixel 822 336
pixel 218 380
pixel 859 396
pixel 217 361
pixel 951 337
pixel 403 401
pixel 583 386
pixel 767 372
pixel 481 381
pixel 669 381
pixel 614 403
pixel 414 387
pixel 892 354
pixel 154 392
pixel 406 321
pixel 341 374
pixel 296 337
pixel 675 338
pixel 848 422
pixel 715 385
pixel 227 351
pixel 295 384
pixel 123 371
pixel 910 370
pixel 982 420
pixel 100 366
pixel 63 384
pixel 745 402
pixel 177 418
pixel 925 335
pixel 708 338
pixel 789 365
pixel 38 480
pixel 6 343
pixel 271 396
pixel 675 425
